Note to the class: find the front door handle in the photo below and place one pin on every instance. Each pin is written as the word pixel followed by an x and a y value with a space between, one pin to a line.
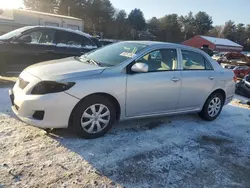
pixel 211 77
pixel 175 79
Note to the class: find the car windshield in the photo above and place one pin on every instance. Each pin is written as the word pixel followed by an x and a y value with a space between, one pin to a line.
pixel 114 54
pixel 13 33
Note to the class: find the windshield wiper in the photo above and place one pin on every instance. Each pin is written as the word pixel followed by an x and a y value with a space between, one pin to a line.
pixel 94 62
pixel 89 61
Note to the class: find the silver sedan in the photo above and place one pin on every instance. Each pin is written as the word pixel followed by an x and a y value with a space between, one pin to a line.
pixel 121 81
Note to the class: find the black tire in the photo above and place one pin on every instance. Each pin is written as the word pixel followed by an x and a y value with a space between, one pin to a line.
pixel 204 114
pixel 76 116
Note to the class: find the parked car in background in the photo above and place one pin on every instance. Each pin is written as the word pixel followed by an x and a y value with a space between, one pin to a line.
pixel 217 56
pixel 243 87
pixel 241 71
pixel 32 44
pixel 238 62
pixel 235 58
pixel 121 81
pixel 246 53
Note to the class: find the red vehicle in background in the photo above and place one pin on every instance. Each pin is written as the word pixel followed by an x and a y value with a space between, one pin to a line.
pixel 238 62
pixel 241 71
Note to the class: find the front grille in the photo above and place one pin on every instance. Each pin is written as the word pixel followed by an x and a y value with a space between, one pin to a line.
pixel 22 83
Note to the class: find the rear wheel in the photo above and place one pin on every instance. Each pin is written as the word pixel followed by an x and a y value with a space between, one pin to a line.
pixel 93 117
pixel 212 107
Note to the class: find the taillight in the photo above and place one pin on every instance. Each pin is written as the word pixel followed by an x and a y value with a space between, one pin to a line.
pixel 235 78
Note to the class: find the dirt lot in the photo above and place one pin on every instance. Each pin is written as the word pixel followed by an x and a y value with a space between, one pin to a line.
pixel 180 151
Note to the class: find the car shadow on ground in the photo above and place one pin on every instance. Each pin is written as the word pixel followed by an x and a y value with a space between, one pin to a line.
pixel 177 151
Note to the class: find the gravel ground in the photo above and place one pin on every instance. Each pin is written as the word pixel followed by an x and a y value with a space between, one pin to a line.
pixel 179 151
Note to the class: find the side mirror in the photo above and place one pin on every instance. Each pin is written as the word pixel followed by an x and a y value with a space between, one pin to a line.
pixel 24 39
pixel 140 67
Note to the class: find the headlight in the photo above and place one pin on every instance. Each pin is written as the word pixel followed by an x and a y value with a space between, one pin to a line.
pixel 46 87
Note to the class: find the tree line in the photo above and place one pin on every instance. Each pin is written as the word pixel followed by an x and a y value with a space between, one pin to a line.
pixel 102 18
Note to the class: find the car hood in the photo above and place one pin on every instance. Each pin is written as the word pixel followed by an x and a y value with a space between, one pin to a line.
pixel 63 69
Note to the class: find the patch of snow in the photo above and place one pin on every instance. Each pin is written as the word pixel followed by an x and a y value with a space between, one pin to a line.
pixel 238 97
pixel 221 41
pixel 75 46
pixel 89 47
pixel 68 45
pixel 35 42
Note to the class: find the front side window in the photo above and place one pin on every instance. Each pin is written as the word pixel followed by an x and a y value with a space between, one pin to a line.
pixel 40 37
pixel 194 61
pixel 114 54
pixel 160 60
pixel 14 33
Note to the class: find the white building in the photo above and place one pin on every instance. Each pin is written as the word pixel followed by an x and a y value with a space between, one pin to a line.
pixel 13 19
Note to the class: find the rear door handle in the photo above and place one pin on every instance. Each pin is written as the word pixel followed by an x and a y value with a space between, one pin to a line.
pixel 211 77
pixel 175 79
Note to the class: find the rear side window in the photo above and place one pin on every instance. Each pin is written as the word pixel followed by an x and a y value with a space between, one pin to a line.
pixel 67 39
pixel 194 61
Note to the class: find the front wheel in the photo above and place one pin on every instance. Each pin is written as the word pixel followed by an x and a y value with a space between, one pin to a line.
pixel 212 107
pixel 93 117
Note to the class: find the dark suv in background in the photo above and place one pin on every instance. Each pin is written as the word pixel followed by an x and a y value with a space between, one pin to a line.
pixel 32 44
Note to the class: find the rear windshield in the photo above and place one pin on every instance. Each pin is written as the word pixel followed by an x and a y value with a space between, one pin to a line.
pixel 116 53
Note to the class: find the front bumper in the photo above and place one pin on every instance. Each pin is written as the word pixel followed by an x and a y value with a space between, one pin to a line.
pixel 57 108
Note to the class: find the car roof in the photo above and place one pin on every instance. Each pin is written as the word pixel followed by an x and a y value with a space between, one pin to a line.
pixel 167 44
pixel 62 29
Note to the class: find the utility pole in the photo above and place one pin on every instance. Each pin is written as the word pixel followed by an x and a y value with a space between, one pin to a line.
pixel 68 10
